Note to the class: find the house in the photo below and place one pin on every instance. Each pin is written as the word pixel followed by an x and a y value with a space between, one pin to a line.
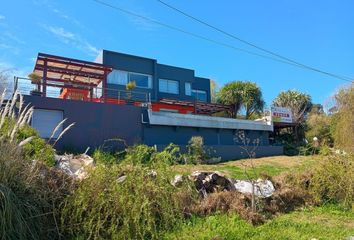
pixel 168 104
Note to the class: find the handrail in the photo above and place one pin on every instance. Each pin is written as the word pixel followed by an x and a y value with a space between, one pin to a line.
pixel 54 90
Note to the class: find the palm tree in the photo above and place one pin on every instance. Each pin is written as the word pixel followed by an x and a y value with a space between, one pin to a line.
pixel 240 95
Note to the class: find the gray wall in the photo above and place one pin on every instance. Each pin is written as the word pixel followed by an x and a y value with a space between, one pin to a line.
pixel 97 122
pixel 149 66
pixel 94 122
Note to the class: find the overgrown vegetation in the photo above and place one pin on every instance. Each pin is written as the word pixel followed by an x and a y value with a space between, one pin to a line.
pixel 30 196
pixel 132 200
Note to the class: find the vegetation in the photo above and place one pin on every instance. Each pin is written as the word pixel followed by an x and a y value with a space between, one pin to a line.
pixel 133 194
pixel 343 121
pixel 299 104
pixel 30 196
pixel 133 200
pixel 246 95
pixel 326 222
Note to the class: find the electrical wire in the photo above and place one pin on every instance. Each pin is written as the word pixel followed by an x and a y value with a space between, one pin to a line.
pixel 205 38
pixel 254 45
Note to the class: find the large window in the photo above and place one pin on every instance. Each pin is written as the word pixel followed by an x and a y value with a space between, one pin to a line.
pixel 141 80
pixel 200 95
pixel 188 89
pixel 118 77
pixel 168 86
pixel 122 77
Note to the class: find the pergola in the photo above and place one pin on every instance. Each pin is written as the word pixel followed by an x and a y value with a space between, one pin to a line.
pixel 70 73
pixel 199 107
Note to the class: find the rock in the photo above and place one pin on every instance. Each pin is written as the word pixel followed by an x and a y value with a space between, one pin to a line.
pixel 177 181
pixel 75 166
pixel 262 188
pixel 209 182
pixel 121 179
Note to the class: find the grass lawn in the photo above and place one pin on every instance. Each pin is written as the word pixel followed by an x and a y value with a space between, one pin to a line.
pixel 327 222
pixel 270 165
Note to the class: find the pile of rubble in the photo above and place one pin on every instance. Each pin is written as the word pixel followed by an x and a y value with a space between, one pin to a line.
pixel 75 166
pixel 210 182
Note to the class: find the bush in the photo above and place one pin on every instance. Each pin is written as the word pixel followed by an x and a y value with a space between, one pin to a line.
pixel 104 157
pixel 30 195
pixel 342 126
pixel 196 151
pixel 126 201
pixel 333 180
pixel 36 149
pixel 319 127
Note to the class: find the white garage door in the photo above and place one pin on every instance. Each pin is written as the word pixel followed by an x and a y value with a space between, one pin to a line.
pixel 44 121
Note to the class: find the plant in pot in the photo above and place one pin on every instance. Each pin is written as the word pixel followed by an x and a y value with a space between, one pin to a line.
pixel 130 87
pixel 35 79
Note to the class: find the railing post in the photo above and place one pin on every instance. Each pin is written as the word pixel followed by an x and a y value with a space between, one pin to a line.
pixel 15 83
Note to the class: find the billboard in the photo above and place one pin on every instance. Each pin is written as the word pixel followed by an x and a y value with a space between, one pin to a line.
pixel 281 114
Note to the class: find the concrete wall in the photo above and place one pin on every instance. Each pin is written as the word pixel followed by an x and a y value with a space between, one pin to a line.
pixel 94 122
pixel 130 63
pixel 160 135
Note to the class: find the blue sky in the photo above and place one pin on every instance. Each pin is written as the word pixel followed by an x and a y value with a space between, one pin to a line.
pixel 316 33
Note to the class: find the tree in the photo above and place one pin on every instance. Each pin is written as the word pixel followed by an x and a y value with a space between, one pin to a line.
pixel 213 90
pixel 343 119
pixel 299 105
pixel 240 95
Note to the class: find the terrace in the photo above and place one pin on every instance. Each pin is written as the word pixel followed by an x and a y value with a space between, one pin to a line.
pixel 67 78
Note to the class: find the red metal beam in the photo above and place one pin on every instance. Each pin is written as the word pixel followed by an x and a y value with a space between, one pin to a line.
pixel 70 82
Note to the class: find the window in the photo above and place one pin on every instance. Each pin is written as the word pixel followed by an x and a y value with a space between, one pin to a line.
pixel 199 95
pixel 188 88
pixel 118 77
pixel 168 86
pixel 45 121
pixel 141 80
pixel 122 77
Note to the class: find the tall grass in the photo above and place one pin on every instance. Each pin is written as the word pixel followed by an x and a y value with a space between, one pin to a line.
pixel 29 196
pixel 131 200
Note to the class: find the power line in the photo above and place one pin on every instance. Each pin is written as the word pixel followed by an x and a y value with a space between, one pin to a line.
pixel 201 37
pixel 254 45
pixel 190 33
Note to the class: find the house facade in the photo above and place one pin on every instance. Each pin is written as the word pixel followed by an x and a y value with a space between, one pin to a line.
pixel 167 105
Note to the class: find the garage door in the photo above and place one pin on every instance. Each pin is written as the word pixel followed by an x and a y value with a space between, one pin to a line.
pixel 44 121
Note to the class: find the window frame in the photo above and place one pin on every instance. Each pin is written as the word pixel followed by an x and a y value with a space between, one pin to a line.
pixel 150 84
pixel 200 91
pixel 150 78
pixel 170 80
pixel 190 88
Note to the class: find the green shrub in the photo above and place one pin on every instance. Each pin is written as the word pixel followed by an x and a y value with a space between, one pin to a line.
pixel 319 126
pixel 36 149
pixel 342 126
pixel 125 201
pixel 196 153
pixel 333 180
pixel 104 157
pixel 29 196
